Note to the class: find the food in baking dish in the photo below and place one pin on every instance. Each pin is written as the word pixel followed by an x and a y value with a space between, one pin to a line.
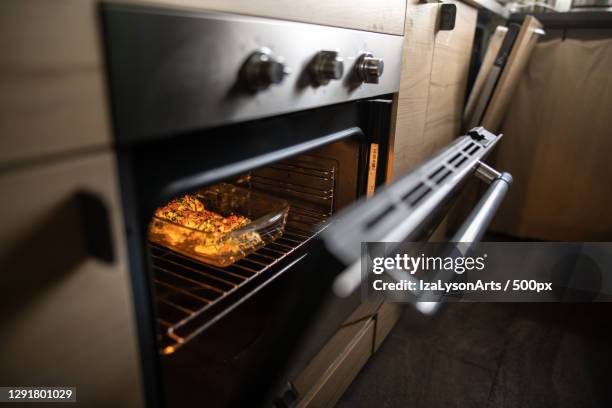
pixel 215 225
pixel 189 212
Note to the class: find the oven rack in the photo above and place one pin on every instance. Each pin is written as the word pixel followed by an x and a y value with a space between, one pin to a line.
pixel 192 295
pixel 307 182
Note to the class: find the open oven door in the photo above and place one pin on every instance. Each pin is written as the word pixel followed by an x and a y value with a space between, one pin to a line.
pixel 400 212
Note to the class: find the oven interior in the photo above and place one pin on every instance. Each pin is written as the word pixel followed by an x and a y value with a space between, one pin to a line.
pixel 210 319
pixel 191 295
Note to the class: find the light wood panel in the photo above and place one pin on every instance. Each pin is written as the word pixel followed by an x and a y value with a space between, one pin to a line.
pixel 386 318
pixel 495 43
pixel 557 144
pixel 449 72
pixel 67 318
pixel 327 376
pixel 316 368
pixel 507 83
pixel 433 80
pixel 383 16
pixel 340 372
pixel 52 97
pixel 52 79
pixel 411 101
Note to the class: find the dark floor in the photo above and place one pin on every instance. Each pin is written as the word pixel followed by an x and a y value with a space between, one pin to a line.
pixel 492 355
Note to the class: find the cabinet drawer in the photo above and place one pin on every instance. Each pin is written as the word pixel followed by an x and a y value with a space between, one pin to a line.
pixel 339 375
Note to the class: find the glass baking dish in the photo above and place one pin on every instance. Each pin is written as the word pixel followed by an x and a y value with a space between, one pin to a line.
pixel 267 214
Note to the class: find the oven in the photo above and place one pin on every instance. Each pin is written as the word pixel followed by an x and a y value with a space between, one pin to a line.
pixel 285 111
pixel 215 324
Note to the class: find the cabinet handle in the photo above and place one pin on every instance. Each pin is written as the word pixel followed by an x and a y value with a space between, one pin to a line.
pixel 448 14
pixel 96 220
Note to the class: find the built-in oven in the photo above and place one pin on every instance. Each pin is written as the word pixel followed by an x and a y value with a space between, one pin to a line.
pixel 261 110
pixel 215 324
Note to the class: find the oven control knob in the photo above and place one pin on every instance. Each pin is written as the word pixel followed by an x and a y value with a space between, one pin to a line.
pixel 326 65
pixel 368 68
pixel 263 69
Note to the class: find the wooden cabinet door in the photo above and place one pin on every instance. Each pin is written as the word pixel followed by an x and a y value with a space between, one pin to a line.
pixel 411 101
pixel 435 66
pixel 67 317
pixel 449 74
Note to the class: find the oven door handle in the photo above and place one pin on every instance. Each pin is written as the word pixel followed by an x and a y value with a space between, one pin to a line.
pixel 479 219
pixel 475 225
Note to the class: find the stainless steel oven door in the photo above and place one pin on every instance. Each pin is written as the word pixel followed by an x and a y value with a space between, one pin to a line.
pixel 402 211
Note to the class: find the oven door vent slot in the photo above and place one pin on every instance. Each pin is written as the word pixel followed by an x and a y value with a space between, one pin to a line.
pixel 440 174
pixel 381 215
pixel 414 196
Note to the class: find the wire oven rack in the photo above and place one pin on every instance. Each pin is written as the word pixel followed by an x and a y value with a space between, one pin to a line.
pixel 188 289
pixel 191 295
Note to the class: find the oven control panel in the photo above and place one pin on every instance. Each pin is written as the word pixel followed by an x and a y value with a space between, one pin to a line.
pixel 173 71
pixel 262 69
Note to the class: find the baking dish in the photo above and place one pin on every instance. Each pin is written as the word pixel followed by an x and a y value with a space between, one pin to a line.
pixel 267 214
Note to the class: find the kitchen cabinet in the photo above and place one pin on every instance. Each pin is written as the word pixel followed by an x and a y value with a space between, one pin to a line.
pixel 430 103
pixel 330 373
pixel 411 101
pixel 449 73
pixel 52 94
pixel 383 16
pixel 67 317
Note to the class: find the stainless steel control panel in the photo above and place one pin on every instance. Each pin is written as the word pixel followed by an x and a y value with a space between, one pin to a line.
pixel 175 71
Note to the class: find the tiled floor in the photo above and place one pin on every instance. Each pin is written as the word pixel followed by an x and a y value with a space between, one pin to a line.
pixel 492 355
